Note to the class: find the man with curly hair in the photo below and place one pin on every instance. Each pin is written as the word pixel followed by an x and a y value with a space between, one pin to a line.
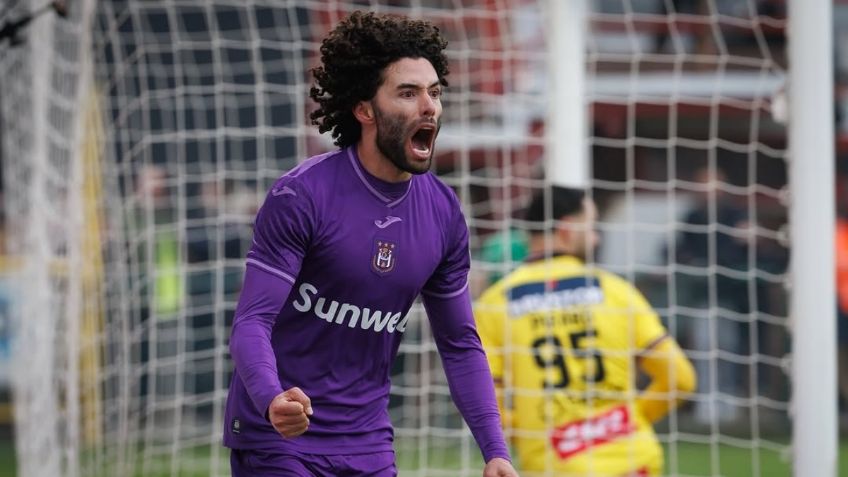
pixel 342 247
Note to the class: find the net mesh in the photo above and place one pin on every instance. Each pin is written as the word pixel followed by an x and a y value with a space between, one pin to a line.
pixel 134 216
pixel 691 166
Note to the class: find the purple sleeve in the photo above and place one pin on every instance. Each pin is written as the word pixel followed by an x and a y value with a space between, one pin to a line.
pixel 451 276
pixel 282 231
pixel 262 297
pixel 467 370
pixel 281 236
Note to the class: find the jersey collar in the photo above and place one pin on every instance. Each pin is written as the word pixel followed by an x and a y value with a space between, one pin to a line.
pixel 366 178
pixel 553 255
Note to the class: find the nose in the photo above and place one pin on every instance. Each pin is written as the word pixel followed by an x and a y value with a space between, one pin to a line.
pixel 428 106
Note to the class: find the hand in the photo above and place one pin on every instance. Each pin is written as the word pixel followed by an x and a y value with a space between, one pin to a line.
pixel 289 411
pixel 499 467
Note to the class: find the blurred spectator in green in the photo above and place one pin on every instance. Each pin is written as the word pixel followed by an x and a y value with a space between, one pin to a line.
pixel 499 254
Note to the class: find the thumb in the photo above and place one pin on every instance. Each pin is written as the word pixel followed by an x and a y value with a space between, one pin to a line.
pixel 297 395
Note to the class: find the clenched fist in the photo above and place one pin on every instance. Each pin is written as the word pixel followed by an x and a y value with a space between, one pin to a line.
pixel 498 467
pixel 289 412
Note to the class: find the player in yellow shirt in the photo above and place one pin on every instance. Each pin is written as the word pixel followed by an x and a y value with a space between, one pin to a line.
pixel 565 342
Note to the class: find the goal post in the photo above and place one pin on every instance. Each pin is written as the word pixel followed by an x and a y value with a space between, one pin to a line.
pixel 812 230
pixel 566 126
pixel 45 72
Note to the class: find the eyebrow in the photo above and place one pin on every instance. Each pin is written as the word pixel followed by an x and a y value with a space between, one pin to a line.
pixel 415 86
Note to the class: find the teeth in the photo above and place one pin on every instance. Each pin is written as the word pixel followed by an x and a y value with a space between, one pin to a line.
pixel 421 141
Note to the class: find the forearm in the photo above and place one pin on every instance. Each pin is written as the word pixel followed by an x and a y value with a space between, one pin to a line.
pixel 672 378
pixel 474 394
pixel 262 297
pixel 467 371
pixel 657 400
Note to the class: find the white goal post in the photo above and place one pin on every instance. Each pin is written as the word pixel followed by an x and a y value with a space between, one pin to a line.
pixel 137 139
pixel 812 210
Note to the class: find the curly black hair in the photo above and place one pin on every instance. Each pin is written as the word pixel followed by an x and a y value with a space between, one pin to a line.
pixel 354 56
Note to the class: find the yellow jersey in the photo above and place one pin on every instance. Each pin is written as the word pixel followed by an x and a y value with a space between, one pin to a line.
pixel 562 341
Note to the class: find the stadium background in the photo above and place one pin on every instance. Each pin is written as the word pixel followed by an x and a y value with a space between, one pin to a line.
pixel 231 140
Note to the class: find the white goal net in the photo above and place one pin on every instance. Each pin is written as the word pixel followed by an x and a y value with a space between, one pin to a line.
pixel 140 137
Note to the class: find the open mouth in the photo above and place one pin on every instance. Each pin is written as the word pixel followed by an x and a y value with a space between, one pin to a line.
pixel 422 140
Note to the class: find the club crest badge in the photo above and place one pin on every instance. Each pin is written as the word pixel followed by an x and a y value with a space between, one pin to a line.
pixel 383 260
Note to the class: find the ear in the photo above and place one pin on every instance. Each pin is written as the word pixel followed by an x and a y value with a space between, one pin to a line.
pixel 364 112
pixel 565 230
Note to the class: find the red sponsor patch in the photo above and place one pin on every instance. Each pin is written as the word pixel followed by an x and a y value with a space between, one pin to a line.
pixel 577 436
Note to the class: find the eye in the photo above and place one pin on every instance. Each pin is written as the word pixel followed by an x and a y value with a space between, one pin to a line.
pixel 435 93
pixel 407 94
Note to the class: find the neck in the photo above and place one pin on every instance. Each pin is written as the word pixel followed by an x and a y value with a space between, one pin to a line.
pixel 540 245
pixel 376 163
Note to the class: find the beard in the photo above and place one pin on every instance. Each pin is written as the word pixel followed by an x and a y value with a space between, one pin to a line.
pixel 392 134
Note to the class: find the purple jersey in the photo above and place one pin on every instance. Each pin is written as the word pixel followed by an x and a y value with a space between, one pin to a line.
pixel 352 253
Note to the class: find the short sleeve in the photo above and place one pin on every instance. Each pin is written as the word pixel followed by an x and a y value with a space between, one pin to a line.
pixel 451 275
pixel 282 231
pixel 648 327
